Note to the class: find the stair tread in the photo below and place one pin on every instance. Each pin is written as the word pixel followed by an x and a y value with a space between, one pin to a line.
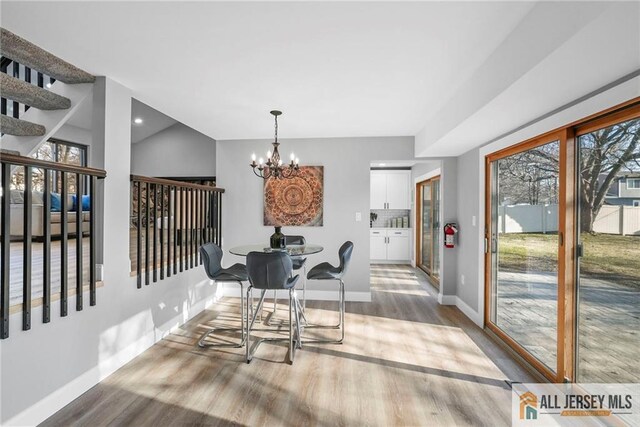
pixel 31 95
pixel 26 53
pixel 18 127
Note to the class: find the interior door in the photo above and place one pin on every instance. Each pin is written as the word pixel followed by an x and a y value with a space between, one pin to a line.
pixel 426 227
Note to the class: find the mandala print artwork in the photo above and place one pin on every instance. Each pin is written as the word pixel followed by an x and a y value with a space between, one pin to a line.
pixel 295 201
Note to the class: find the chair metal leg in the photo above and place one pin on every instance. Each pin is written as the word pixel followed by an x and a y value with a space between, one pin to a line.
pixel 296 310
pixel 249 324
pixel 291 349
pixel 203 344
pixel 340 325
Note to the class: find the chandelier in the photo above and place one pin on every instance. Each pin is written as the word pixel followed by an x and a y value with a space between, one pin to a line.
pixel 274 167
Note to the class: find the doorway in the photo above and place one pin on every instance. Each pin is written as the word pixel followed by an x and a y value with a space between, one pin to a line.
pixel 428 228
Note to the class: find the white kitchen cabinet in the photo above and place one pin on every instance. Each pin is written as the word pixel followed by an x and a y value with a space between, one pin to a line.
pixel 378 246
pixel 398 248
pixel 378 190
pixel 390 189
pixel 390 244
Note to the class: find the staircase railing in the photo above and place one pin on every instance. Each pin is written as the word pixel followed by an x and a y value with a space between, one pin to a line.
pixel 27 221
pixel 170 220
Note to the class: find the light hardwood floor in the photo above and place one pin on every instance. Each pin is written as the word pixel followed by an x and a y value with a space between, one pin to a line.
pixel 406 360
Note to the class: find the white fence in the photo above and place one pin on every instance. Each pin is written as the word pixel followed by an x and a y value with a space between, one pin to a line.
pixel 624 220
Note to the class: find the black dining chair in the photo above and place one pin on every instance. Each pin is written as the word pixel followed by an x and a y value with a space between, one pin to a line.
pixel 326 271
pixel 299 263
pixel 272 271
pixel 212 262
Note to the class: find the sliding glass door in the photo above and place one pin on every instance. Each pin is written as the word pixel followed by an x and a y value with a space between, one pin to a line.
pixel 562 240
pixel 524 250
pixel 608 327
pixel 428 228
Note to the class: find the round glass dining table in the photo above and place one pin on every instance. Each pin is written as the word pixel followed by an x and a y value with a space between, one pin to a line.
pixel 293 250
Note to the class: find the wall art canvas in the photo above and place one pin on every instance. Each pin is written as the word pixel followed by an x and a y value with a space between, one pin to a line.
pixel 295 201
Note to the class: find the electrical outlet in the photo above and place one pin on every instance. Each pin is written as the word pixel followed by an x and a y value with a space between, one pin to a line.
pixel 358 216
pixel 462 279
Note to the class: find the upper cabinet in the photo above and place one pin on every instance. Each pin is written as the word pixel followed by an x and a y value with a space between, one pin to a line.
pixel 390 189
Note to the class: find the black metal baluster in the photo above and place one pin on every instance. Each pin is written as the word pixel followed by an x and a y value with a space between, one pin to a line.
pixel 92 241
pixel 4 64
pixel 40 79
pixel 79 242
pixel 175 230
pixel 220 219
pixel 206 216
pixel 46 249
pixel 155 232
pixel 5 262
pixel 64 251
pixel 26 256
pixel 162 232
pixel 146 237
pixel 27 78
pixel 169 228
pixel 192 199
pixel 139 235
pixel 188 201
pixel 16 105
pixel 199 225
pixel 182 228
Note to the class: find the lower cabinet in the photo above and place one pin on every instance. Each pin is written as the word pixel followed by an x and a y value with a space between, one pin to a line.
pixel 390 245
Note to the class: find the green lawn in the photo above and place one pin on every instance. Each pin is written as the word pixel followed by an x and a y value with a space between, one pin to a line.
pixel 615 258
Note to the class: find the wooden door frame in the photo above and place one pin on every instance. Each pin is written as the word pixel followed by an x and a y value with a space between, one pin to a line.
pixel 568 230
pixel 434 279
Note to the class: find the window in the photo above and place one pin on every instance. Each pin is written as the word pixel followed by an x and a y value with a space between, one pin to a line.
pixel 636 203
pixel 57 151
pixel 633 183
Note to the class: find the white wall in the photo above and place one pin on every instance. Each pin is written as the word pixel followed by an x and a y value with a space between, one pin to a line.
pixel 173 152
pixel 346 164
pixel 45 368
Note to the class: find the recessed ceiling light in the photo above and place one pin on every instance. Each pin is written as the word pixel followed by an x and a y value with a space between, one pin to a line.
pixel 383 164
pixel 137 120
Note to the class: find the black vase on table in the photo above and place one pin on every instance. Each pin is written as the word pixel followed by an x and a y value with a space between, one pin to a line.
pixel 277 239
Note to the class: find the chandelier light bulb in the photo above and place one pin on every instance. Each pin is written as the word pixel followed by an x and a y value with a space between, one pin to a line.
pixel 269 154
pixel 297 160
pixel 280 162
pixel 292 156
pixel 261 161
pixel 253 157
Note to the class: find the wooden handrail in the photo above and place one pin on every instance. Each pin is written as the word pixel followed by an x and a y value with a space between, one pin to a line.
pixel 16 160
pixel 163 181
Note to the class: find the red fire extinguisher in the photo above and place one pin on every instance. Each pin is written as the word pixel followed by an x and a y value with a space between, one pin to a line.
pixel 450 231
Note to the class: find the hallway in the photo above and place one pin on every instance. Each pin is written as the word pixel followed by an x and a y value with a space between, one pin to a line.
pixel 406 360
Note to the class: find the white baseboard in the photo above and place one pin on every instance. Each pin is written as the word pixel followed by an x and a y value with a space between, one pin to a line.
pixel 447 299
pixel 40 411
pixel 469 312
pixel 386 261
pixel 311 294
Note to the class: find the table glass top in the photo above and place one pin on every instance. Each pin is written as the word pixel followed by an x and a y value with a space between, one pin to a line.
pixel 293 250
